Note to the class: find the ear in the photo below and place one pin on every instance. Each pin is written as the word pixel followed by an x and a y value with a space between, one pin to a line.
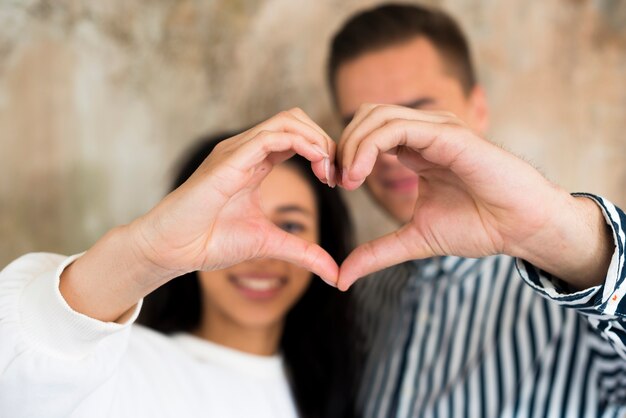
pixel 478 110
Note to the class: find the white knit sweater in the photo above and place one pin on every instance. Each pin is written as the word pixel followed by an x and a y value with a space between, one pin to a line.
pixel 55 362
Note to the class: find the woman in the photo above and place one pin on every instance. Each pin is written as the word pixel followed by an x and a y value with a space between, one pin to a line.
pixel 251 334
pixel 236 307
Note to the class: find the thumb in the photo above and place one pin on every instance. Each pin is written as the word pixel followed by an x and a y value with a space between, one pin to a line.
pixel 402 245
pixel 285 246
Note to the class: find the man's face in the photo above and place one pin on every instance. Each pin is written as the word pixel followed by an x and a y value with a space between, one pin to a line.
pixel 412 74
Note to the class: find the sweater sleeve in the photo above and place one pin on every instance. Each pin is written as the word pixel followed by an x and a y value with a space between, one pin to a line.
pixel 604 306
pixel 51 357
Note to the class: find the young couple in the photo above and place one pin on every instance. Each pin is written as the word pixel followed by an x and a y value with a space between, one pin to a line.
pixel 500 294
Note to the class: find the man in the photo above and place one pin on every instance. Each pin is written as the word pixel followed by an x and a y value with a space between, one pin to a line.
pixel 450 336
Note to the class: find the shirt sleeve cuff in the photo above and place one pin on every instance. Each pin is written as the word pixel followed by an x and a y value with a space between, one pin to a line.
pixel 51 325
pixel 603 299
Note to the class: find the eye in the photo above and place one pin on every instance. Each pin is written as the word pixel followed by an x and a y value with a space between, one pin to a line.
pixel 291 227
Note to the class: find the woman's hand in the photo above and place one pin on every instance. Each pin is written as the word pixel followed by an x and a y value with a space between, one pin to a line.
pixel 212 221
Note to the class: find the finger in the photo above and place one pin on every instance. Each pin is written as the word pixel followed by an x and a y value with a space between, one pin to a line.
pixel 248 159
pixel 330 145
pixel 378 116
pixel 437 143
pixel 320 168
pixel 285 246
pixel 303 117
pixel 268 142
pixel 397 247
pixel 360 114
pixel 381 114
pixel 287 121
pixel 372 116
pixel 301 147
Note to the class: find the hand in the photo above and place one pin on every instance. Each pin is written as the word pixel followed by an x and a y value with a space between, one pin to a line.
pixel 475 199
pixel 214 220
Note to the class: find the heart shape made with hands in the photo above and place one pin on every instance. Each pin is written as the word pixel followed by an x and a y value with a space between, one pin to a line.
pixel 429 143
pixel 474 198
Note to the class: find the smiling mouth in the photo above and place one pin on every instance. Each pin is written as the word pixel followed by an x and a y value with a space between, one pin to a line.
pixel 258 287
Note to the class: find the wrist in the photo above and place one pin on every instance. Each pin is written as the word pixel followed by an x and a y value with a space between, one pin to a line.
pixel 575 245
pixel 155 252
pixel 152 266
pixel 110 278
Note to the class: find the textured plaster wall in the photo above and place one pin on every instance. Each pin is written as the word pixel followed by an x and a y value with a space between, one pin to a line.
pixel 97 99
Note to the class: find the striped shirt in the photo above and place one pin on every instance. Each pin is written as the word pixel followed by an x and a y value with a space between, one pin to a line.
pixel 493 337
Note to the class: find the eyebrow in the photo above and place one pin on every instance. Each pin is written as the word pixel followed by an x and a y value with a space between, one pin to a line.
pixel 415 104
pixel 293 208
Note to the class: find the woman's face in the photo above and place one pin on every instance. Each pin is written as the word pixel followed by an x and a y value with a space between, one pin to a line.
pixel 258 293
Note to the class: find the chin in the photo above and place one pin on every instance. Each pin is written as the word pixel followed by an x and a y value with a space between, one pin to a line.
pixel 259 320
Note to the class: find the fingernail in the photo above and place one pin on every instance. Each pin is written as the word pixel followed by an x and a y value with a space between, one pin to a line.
pixel 332 181
pixel 327 170
pixel 320 150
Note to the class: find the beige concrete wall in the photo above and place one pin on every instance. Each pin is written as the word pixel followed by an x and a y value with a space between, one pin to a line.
pixel 97 99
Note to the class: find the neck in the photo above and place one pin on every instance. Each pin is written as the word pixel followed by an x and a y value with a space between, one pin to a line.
pixel 262 340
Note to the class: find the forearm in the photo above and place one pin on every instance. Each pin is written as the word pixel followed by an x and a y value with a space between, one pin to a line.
pixel 577 246
pixel 110 278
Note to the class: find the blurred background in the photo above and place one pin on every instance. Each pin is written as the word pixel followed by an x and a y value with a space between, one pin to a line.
pixel 98 99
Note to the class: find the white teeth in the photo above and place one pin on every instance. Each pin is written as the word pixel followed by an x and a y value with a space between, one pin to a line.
pixel 258 284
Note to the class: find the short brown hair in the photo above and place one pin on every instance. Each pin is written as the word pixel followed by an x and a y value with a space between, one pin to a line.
pixel 390 24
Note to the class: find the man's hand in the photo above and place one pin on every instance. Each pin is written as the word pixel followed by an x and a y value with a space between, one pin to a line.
pixel 475 200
